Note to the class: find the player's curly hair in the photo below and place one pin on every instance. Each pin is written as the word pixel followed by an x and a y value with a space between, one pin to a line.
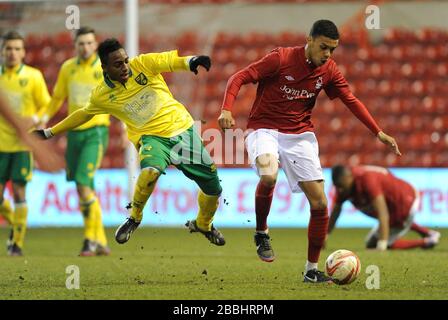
pixel 106 47
pixel 324 28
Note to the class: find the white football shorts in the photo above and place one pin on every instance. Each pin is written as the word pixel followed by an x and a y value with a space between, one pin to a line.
pixel 298 154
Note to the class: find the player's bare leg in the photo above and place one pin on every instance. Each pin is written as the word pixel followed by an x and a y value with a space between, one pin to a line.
pixel 145 185
pixel 267 168
pixel 19 220
pixel 317 229
pixel 432 236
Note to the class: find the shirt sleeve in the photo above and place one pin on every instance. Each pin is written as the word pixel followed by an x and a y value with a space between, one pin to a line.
pixel 338 85
pixel 264 68
pixel 168 61
pixel 41 95
pixel 93 107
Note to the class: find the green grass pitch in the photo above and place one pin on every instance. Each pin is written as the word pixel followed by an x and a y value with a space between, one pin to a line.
pixel 170 263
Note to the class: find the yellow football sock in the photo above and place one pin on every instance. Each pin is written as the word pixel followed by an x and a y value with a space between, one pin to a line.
pixel 95 209
pixel 6 211
pixel 89 217
pixel 145 185
pixel 207 208
pixel 19 225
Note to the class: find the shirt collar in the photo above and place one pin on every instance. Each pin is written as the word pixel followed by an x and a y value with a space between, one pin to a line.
pixel 111 83
pixel 15 69
pixel 91 60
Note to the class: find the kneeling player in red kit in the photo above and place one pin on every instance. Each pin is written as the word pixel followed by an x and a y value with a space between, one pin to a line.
pixel 379 194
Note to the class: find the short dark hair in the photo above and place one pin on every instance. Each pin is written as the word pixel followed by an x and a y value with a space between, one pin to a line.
pixel 106 47
pixel 12 35
pixel 337 173
pixel 83 30
pixel 324 28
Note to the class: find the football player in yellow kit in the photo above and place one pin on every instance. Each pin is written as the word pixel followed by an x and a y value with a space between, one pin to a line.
pixel 87 143
pixel 159 126
pixel 27 93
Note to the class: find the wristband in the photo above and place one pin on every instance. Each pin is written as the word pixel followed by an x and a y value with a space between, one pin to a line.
pixel 48 134
pixel 381 245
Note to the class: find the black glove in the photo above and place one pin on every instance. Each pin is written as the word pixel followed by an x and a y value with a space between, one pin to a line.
pixel 43 134
pixel 197 61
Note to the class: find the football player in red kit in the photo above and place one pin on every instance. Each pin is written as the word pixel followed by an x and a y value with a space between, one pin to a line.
pixel 379 194
pixel 289 81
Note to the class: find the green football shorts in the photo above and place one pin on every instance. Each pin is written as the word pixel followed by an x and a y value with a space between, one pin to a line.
pixel 16 166
pixel 85 151
pixel 187 153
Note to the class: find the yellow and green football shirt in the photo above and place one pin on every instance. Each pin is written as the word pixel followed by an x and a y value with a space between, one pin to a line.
pixel 76 80
pixel 144 103
pixel 27 94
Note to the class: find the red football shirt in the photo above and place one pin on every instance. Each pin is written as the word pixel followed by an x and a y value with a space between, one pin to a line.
pixel 288 85
pixel 372 181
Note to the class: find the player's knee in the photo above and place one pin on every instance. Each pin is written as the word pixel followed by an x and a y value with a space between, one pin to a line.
pixel 269 180
pixel 18 192
pixel 147 176
pixel 318 204
pixel 84 192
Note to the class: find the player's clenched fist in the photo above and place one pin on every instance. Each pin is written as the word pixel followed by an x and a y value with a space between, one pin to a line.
pixel 226 120
pixel 197 61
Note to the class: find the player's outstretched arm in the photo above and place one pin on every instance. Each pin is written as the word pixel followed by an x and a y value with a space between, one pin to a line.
pixel 45 114
pixel 361 112
pixel 74 120
pixel 380 206
pixel 334 215
pixel 389 141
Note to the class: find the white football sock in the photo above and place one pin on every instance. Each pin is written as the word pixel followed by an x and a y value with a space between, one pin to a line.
pixel 310 266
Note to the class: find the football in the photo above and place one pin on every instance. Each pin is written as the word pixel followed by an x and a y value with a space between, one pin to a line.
pixel 343 266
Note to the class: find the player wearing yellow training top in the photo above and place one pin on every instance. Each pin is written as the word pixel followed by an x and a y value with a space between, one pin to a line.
pixel 87 143
pixel 27 93
pixel 159 126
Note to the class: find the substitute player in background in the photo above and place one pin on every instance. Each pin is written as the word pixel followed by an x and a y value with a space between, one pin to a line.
pixel 379 194
pixel 27 93
pixel 160 127
pixel 289 81
pixel 87 143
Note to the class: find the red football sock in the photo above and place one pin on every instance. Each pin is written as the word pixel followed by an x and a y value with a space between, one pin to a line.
pixel 317 229
pixel 407 244
pixel 263 200
pixel 424 232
